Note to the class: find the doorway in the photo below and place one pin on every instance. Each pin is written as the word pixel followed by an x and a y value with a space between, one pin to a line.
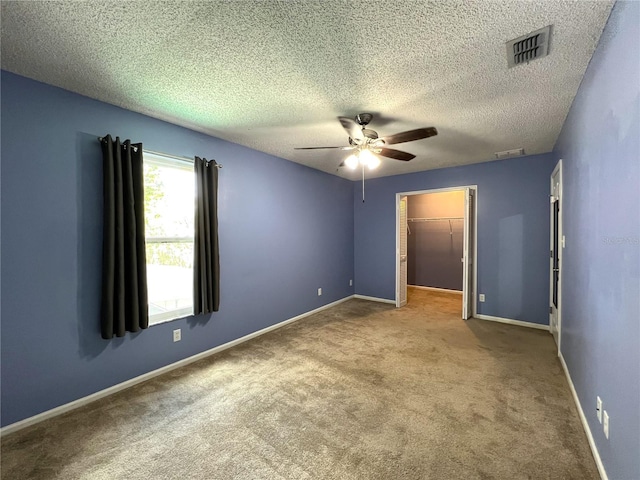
pixel 556 245
pixel 431 223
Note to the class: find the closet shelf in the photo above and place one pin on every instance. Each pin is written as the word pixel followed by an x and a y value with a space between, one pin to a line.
pixel 432 219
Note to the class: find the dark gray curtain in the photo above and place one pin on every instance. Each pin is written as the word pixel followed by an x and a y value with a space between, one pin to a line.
pixel 206 266
pixel 124 270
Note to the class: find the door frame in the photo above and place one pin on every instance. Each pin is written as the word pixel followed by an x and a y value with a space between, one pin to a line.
pixel 474 253
pixel 557 170
pixel 401 300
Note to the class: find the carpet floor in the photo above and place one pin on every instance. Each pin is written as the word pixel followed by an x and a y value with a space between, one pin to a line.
pixel 359 391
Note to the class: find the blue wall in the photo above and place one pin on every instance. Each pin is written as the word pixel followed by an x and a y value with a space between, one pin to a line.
pixel 513 232
pixel 285 230
pixel 600 149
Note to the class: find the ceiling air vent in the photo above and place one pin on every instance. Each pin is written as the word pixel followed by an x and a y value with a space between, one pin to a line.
pixel 529 47
pixel 517 152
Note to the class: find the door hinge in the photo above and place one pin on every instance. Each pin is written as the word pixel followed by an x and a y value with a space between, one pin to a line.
pixel 550 253
pixel 550 309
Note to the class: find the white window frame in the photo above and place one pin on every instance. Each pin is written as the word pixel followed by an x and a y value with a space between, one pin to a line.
pixel 163 160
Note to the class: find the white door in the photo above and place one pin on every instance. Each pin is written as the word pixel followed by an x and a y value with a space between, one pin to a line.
pixel 467 255
pixel 402 253
pixel 555 251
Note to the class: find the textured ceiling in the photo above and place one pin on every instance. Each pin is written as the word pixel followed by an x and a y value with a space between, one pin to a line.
pixel 274 75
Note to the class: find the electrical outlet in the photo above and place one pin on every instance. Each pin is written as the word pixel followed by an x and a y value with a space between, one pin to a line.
pixel 599 408
pixel 481 297
pixel 605 424
pixel 351 283
pixel 319 291
pixel 177 335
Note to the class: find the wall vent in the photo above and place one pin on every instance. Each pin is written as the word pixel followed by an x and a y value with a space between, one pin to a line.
pixel 518 152
pixel 530 47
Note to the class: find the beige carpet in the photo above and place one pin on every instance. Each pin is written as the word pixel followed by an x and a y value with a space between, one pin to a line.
pixel 359 391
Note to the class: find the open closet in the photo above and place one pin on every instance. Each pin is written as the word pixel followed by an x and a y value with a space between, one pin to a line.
pixel 435 238
pixel 435 244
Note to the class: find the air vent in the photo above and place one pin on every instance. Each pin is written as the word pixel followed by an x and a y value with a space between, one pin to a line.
pixel 518 152
pixel 530 47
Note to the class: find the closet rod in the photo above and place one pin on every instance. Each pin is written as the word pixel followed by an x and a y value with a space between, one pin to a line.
pixel 434 219
pixel 421 219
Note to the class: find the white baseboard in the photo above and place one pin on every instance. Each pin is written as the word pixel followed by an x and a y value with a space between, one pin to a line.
pixel 375 299
pixel 435 289
pixel 585 424
pixel 149 375
pixel 520 323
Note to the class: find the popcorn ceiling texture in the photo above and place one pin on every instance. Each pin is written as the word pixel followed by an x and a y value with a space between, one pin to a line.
pixel 274 75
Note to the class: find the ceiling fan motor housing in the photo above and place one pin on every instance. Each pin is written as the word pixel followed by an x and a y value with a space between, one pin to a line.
pixel 363 119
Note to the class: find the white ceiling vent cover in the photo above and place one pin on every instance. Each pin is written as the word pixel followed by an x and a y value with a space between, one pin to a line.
pixel 530 47
pixel 516 152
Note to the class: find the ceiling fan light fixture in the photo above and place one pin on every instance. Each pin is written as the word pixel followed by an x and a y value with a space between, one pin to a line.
pixel 351 162
pixel 374 162
pixel 367 158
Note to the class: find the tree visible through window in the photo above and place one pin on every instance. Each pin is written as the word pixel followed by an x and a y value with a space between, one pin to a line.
pixel 169 215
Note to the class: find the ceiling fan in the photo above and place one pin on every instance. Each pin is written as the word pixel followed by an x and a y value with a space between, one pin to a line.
pixel 366 142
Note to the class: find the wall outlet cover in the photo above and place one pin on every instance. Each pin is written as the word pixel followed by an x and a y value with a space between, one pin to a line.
pixel 605 424
pixel 177 335
pixel 319 291
pixel 599 408
pixel 481 297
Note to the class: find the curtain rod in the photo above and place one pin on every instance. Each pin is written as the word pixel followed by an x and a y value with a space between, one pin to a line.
pixel 166 155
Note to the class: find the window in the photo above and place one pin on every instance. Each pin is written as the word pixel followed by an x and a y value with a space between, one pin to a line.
pixel 169 194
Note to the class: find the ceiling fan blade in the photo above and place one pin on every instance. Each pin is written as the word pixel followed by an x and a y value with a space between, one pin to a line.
pixel 410 135
pixel 395 154
pixel 352 128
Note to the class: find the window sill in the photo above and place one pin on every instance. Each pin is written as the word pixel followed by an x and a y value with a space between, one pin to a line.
pixel 166 317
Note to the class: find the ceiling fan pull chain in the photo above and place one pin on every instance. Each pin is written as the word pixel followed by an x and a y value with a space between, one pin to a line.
pixel 363 183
